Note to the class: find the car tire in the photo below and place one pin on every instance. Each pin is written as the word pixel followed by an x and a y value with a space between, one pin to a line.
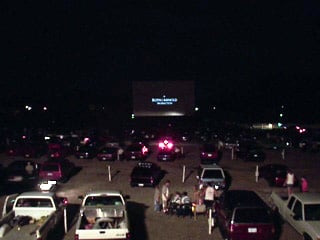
pixel 306 237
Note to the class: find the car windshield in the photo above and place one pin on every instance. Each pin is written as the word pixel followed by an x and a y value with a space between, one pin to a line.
pixel 209 148
pixel 141 171
pixel 50 167
pixel 252 215
pixel 103 200
pixel 212 173
pixel 312 212
pixel 34 202
pixel 134 148
pixel 109 150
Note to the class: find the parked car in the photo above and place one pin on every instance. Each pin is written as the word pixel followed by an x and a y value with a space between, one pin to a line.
pixel 213 174
pixel 34 149
pixel 86 152
pixel 108 154
pixel 242 214
pixel 275 174
pixel 58 150
pixel 136 151
pixel 59 170
pixel 166 155
pixel 209 154
pixel 251 151
pixel 145 174
pixel 16 174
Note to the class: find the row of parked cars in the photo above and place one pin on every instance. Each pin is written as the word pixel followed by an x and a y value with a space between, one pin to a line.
pixel 25 174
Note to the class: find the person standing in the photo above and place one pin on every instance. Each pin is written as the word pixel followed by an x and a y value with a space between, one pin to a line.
pixel 29 168
pixel 165 194
pixel 157 199
pixel 209 196
pixel 289 182
pixel 304 184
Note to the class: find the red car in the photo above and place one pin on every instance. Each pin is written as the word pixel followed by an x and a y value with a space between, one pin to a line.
pixel 57 170
pixel 136 151
pixel 108 154
pixel 242 214
pixel 209 154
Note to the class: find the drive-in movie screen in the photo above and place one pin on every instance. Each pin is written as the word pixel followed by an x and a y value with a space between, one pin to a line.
pixel 174 98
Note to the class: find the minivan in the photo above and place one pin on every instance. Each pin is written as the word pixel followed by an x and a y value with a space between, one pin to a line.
pixel 242 214
pixel 57 170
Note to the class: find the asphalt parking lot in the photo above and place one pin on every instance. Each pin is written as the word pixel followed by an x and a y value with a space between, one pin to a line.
pixel 148 225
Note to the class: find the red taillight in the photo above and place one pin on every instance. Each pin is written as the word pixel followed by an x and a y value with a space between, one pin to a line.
pixel 76 237
pixel 161 145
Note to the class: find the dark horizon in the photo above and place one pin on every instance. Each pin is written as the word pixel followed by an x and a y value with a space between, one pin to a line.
pixel 247 59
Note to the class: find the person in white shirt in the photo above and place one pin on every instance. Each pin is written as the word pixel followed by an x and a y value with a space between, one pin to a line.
pixel 289 182
pixel 165 194
pixel 209 196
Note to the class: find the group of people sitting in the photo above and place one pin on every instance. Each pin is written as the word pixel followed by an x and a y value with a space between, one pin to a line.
pixel 180 204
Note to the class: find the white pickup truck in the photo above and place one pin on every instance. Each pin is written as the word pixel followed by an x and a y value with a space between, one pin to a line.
pixel 103 215
pixel 32 216
pixel 301 211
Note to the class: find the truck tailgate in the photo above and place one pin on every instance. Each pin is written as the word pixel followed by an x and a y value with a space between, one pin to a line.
pixel 101 234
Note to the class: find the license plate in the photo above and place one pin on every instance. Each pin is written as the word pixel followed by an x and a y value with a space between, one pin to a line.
pixel 49 174
pixel 133 157
pixel 140 184
pixel 209 155
pixel 252 230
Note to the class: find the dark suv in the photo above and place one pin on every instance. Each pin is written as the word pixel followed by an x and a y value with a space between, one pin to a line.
pixel 242 214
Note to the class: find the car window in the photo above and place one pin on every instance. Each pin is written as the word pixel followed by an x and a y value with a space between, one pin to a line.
pixel 134 148
pixel 252 215
pixel 212 173
pixel 297 209
pixel 103 200
pixel 312 212
pixel 50 167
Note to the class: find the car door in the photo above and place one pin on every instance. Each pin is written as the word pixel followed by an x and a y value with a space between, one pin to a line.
pixel 8 203
pixel 296 215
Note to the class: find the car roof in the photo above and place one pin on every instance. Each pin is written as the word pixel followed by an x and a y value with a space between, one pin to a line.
pixel 37 194
pixel 243 198
pixel 210 166
pixel 308 197
pixel 145 164
pixel 103 192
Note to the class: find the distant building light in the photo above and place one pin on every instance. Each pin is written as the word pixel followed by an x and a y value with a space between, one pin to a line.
pixel 196 109
pixel 281 114
pixel 45 108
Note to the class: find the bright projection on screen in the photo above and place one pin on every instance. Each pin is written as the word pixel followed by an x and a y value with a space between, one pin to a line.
pixel 170 98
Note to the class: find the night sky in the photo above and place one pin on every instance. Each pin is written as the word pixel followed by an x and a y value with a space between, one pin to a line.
pixel 247 57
